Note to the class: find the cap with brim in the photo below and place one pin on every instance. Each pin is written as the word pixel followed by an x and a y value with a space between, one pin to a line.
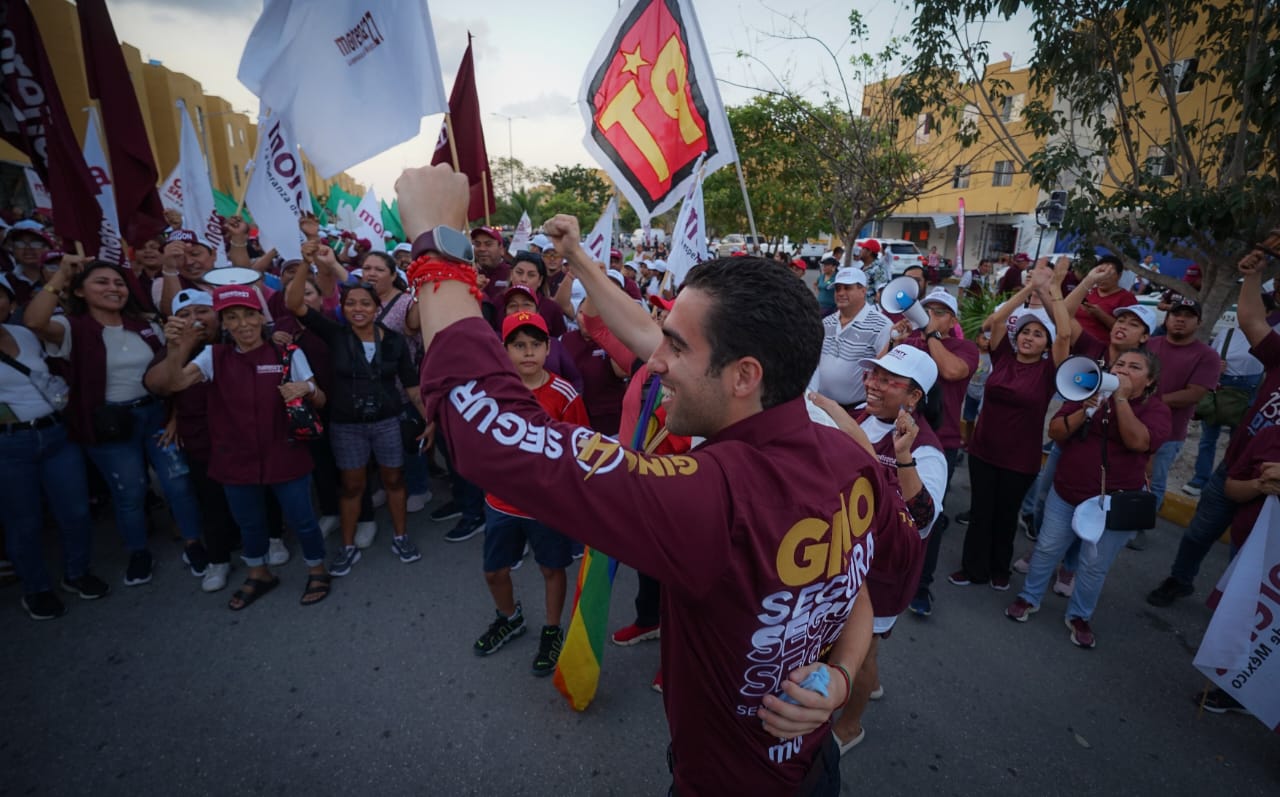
pixel 1022 257
pixel 522 319
pixel 190 297
pixel 799 264
pixel 614 254
pixel 870 245
pixel 1187 303
pixel 617 277
pixel 910 362
pixel 542 242
pixel 941 296
pixel 402 248
pixel 659 266
pixel 235 296
pixel 518 290
pixel 1089 519
pixel 851 276
pixel 29 227
pixel 1145 314
pixel 189 237
pixel 492 232
pixel 1040 317
pixel 657 301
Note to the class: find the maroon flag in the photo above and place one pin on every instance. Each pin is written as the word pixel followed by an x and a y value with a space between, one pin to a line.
pixel 34 121
pixel 473 161
pixel 133 169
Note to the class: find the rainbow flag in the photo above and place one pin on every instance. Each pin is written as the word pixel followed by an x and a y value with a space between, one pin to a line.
pixel 578 668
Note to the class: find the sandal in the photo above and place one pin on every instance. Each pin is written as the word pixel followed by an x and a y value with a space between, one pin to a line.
pixel 318 585
pixel 246 598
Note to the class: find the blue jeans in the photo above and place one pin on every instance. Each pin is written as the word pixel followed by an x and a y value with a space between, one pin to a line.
pixel 248 504
pixel 1208 451
pixel 468 497
pixel 1056 536
pixel 124 468
pixel 1214 513
pixel 1160 464
pixel 416 476
pixel 36 464
pixel 1034 502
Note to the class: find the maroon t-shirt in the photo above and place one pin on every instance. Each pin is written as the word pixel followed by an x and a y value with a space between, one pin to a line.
pixel 953 391
pixel 499 280
pixel 1079 473
pixel 1264 447
pixel 1014 403
pixel 1094 349
pixel 1265 411
pixel 1195 363
pixel 602 389
pixel 1107 304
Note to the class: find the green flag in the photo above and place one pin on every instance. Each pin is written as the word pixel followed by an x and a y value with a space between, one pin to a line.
pixel 317 209
pixel 226 206
pixel 339 197
pixel 391 220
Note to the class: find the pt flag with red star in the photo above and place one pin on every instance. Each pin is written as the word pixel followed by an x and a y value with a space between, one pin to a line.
pixel 652 106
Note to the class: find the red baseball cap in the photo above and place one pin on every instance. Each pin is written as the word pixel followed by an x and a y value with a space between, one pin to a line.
pixel 614 254
pixel 235 296
pixel 870 245
pixel 515 290
pixel 656 300
pixel 1022 257
pixel 492 232
pixel 522 319
pixel 799 264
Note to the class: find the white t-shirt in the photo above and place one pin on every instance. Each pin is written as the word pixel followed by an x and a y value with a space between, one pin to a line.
pixel 128 356
pixel 839 373
pixel 300 372
pixel 16 390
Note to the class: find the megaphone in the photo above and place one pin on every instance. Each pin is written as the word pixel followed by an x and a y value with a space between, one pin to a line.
pixel 1079 378
pixel 900 297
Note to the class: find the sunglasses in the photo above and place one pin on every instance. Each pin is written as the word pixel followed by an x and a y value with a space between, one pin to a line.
pixel 885 380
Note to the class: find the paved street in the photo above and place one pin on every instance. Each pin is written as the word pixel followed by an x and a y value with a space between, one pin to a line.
pixel 161 690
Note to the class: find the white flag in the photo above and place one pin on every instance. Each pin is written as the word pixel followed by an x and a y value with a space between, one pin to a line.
pixel 199 212
pixel 1240 651
pixel 110 247
pixel 689 239
pixel 277 194
pixel 524 231
pixel 600 241
pixel 369 222
pixel 348 57
pixel 171 190
pixel 39 192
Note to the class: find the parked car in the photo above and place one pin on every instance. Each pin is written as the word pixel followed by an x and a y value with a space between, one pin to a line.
pixel 898 254
pixel 736 241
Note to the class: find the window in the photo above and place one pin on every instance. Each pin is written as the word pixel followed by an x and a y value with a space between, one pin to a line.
pixel 961 178
pixel 1002 173
pixel 911 231
pixel 242 135
pixel 924 126
pixel 231 135
pixel 1182 73
pixel 236 173
pixel 1158 163
pixel 200 119
pixel 1011 109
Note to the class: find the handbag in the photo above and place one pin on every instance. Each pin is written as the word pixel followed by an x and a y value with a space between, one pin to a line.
pixel 1129 510
pixel 1225 405
pixel 300 417
pixel 53 389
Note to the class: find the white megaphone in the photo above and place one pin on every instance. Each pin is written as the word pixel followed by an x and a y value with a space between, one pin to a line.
pixel 900 297
pixel 1079 378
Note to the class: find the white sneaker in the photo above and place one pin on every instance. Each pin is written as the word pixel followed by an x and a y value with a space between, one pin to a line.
pixel 365 532
pixel 1023 564
pixel 328 524
pixel 277 553
pixel 215 577
pixel 379 498
pixel 417 503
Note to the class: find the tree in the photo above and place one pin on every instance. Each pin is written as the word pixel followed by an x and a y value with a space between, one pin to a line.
pixel 1162 119
pixel 582 183
pixel 511 175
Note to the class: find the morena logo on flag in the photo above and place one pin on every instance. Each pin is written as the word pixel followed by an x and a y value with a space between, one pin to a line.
pixel 649 115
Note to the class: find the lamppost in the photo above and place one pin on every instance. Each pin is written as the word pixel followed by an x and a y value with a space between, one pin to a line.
pixel 511 150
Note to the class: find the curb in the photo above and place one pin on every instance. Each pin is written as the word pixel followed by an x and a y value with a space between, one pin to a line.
pixel 1179 508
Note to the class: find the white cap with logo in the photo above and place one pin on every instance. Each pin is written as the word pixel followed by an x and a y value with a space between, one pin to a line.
pixel 910 362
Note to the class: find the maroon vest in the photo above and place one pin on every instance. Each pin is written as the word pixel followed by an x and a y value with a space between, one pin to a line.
pixel 895 570
pixel 87 374
pixel 247 425
pixel 191 410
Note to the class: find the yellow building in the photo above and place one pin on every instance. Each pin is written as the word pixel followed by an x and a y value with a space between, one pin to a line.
pixel 227 135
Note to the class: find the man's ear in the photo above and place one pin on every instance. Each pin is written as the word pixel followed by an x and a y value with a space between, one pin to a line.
pixel 748 377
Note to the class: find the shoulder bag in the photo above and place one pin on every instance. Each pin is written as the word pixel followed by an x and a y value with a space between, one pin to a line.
pixel 1225 405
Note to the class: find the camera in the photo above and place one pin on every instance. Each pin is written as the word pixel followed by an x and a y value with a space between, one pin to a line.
pixel 367 407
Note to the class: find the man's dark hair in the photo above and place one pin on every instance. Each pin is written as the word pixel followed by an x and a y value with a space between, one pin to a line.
pixel 762 311
pixel 528 329
pixel 1116 263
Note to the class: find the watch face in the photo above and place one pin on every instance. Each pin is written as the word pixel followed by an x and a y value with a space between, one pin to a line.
pixel 453 243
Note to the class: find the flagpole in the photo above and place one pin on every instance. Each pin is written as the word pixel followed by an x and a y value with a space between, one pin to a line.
pixel 751 219
pixel 453 147
pixel 244 189
pixel 484 191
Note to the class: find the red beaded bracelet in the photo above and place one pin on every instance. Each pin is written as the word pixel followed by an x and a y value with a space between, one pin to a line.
pixel 437 270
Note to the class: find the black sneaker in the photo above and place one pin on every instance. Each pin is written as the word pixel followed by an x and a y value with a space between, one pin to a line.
pixel 89 587
pixel 1029 526
pixel 501 631
pixel 195 557
pixel 465 530
pixel 548 650
pixel 1219 702
pixel 139 571
pixel 963 518
pixel 446 511
pixel 43 605
pixel 1169 591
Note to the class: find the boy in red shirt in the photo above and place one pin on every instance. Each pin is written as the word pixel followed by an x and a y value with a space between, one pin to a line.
pixel 525 337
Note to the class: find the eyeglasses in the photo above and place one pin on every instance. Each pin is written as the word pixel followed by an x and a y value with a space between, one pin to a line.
pixel 884 379
pixel 29 243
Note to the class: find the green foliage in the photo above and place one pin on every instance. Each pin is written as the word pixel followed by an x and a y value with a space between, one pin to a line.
pixel 976 308
pixel 582 183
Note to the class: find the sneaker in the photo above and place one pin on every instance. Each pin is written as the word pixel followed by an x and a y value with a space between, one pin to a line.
pixel 405 549
pixel 379 498
pixel 365 532
pixel 877 693
pixel 347 556
pixel 1192 489
pixel 922 604
pixel 1138 543
pixel 501 631
pixel 1219 702
pixel 1064 583
pixel 43 605
pixel 852 743
pixel 548 650
pixel 215 578
pixel 960 578
pixel 446 511
pixel 89 587
pixel 635 634
pixel 1081 632
pixel 519 563
pixel 465 530
pixel 1020 610
pixel 139 570
pixel 1023 564
pixel 1029 526
pixel 657 683
pixel 277 553
pixel 329 524
pixel 1000 583
pixel 963 518
pixel 1169 591
pixel 417 502
pixel 195 557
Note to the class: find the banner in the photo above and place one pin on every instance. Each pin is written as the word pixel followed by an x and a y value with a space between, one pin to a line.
pixel 391 220
pixel 600 241
pixel 342 207
pixel 110 248
pixel 1240 651
pixel 349 55
pixel 959 269
pixel 133 169
pixel 199 214
pixel 39 193
pixel 369 222
pixel 468 133
pixel 689 239
pixel 277 191
pixel 524 231
pixel 34 121
pixel 651 104
pixel 171 190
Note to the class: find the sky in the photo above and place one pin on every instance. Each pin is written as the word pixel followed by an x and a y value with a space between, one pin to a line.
pixel 530 59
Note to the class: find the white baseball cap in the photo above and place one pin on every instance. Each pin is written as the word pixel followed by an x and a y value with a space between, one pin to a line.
pixel 404 247
pixel 1037 315
pixel 1145 314
pixel 851 276
pixel 941 296
pixel 541 241
pixel 659 266
pixel 907 361
pixel 190 297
